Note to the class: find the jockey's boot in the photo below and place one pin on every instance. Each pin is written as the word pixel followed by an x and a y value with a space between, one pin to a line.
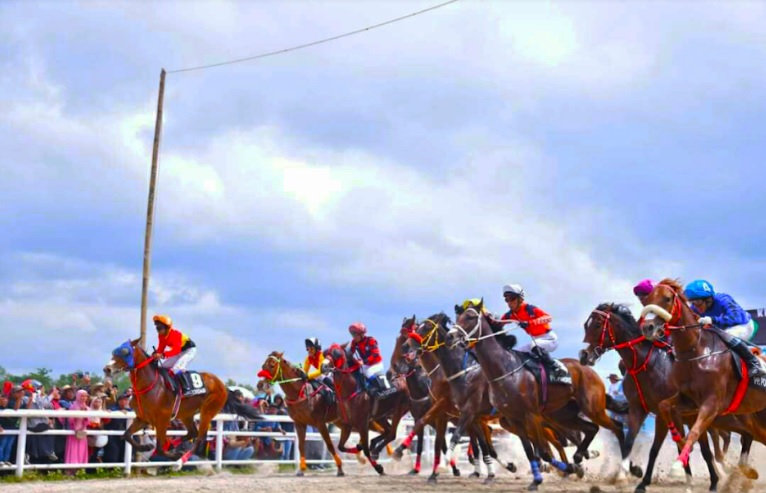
pixel 545 357
pixel 740 348
pixel 328 392
pixel 182 382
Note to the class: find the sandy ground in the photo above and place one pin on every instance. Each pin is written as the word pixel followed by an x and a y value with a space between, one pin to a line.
pixel 363 479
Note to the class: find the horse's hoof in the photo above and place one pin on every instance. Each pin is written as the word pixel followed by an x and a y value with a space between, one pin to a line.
pixel 511 467
pixel 641 488
pixel 636 471
pixel 677 470
pixel 579 471
pixel 593 454
pixel 413 472
pixel 577 458
pixel 456 472
pixel 300 474
pixel 489 480
pixel 379 469
pixel 474 475
pixel 398 454
pixel 545 467
pixel 340 473
pixel 532 486
pixel 432 479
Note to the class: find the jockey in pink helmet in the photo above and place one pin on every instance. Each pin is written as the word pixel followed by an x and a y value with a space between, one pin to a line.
pixel 642 290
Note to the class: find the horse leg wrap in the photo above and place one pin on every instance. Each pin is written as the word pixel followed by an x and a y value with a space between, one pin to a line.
pixel 477 467
pixel 561 466
pixel 684 457
pixel 352 450
pixel 437 460
pixel 417 463
pixel 490 465
pixel 536 471
pixel 674 432
pixel 303 464
pixel 407 441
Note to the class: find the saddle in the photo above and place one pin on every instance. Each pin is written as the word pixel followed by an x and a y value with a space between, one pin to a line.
pixel 536 367
pixel 324 390
pixel 381 388
pixel 740 367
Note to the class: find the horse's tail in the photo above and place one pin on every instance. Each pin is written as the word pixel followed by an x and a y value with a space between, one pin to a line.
pixel 233 406
pixel 616 407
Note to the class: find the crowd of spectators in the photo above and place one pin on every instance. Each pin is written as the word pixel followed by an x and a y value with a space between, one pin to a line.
pixel 70 449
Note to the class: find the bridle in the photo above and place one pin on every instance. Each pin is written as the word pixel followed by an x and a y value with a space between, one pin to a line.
pixel 468 335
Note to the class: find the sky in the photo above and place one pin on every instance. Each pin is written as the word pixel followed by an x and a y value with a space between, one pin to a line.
pixel 572 147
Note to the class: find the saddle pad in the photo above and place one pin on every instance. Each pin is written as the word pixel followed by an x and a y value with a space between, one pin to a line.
pixel 534 366
pixel 197 384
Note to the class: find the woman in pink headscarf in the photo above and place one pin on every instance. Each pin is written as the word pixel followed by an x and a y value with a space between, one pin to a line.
pixel 642 290
pixel 77 445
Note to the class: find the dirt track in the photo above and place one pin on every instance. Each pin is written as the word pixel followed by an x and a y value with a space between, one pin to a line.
pixel 363 479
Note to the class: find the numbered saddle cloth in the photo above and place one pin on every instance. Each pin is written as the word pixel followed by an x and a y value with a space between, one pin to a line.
pixel 193 384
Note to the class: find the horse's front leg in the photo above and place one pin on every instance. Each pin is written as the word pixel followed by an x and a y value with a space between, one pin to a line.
pixel 137 425
pixel 706 415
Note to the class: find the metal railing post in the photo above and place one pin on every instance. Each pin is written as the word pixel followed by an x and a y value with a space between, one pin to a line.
pixel 21 447
pixel 128 458
pixel 218 445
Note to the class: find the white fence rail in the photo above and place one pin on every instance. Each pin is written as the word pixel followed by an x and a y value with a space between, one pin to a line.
pixel 218 434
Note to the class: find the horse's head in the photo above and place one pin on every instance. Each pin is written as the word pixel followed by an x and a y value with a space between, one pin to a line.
pixel 468 326
pixel 271 368
pixel 123 358
pixel 429 335
pixel 339 357
pixel 403 354
pixel 663 306
pixel 606 326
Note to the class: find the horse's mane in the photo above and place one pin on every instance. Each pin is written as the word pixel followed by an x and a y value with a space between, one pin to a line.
pixel 441 319
pixel 623 313
pixel 676 286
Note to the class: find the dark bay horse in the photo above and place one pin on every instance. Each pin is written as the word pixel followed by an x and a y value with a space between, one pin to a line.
pixel 703 370
pixel 613 327
pixel 469 390
pixel 153 402
pixel 406 364
pixel 357 410
pixel 516 395
pixel 306 406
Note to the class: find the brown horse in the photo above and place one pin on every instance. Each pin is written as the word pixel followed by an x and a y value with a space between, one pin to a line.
pixel 703 370
pixel 153 402
pixel 357 410
pixel 649 365
pixel 306 406
pixel 517 395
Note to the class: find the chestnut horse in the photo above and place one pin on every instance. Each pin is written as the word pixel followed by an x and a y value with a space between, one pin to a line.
pixel 356 407
pixel 516 394
pixel 612 327
pixel 703 370
pixel 306 406
pixel 153 402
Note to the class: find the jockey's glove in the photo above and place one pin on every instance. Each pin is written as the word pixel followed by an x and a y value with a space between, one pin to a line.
pixel 706 321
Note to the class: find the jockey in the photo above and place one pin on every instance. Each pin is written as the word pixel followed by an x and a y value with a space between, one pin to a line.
pixel 722 312
pixel 642 290
pixel 367 350
pixel 315 359
pixel 176 350
pixel 536 323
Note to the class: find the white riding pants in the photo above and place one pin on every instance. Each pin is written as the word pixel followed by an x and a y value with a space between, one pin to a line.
pixel 180 361
pixel 375 370
pixel 744 331
pixel 548 341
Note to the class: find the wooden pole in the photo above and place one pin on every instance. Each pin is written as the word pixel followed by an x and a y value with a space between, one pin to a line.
pixel 150 209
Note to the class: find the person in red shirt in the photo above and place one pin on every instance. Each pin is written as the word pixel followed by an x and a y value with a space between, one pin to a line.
pixel 176 350
pixel 536 323
pixel 366 349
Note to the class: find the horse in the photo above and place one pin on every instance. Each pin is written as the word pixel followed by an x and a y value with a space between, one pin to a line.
pixel 425 388
pixel 153 402
pixel 357 410
pixel 703 370
pixel 469 390
pixel 306 406
pixel 612 327
pixel 516 395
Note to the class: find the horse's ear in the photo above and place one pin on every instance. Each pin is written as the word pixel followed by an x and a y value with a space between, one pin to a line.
pixel 135 342
pixel 481 305
pixel 281 355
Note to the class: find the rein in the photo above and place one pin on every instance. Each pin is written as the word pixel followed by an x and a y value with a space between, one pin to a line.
pixel 607 328
pixel 433 333
pixel 134 381
pixel 467 335
pixel 345 371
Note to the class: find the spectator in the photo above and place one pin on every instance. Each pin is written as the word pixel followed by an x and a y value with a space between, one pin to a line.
pixel 77 444
pixel 263 393
pixel 281 410
pixel 67 396
pixel 96 443
pixel 615 391
pixel 115 445
pixel 6 441
pixel 84 379
pixel 268 447
pixel 237 448
pixel 110 399
pixel 39 447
